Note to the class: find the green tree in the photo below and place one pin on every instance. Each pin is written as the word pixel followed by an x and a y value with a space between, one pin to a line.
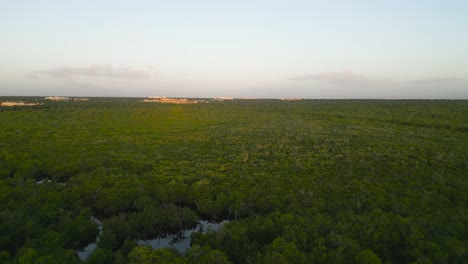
pixel 367 256
pixel 101 256
pixel 28 256
pixel 5 257
pixel 198 255
pixel 147 255
pixel 281 251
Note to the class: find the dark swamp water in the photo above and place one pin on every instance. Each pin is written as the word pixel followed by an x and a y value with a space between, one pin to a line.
pixel 180 241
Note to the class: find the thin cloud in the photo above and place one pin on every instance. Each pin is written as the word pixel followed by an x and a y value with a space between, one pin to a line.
pixel 329 76
pixel 437 81
pixel 348 78
pixel 340 78
pixel 93 71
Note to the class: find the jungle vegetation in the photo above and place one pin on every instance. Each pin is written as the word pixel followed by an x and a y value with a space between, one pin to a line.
pixel 310 181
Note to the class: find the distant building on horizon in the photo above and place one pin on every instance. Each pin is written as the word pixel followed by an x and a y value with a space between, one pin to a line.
pixel 291 99
pixel 223 98
pixel 57 98
pixel 165 100
pixel 20 103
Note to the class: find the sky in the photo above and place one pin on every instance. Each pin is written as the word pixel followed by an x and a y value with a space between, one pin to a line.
pixel 244 48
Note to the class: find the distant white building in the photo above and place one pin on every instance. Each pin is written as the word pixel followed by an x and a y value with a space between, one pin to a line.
pixel 291 99
pixel 165 100
pixel 57 98
pixel 223 98
pixel 17 104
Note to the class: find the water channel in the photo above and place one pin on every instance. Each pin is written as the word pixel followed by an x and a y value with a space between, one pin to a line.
pixel 180 242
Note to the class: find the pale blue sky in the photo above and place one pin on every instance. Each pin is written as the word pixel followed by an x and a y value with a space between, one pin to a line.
pixel 309 49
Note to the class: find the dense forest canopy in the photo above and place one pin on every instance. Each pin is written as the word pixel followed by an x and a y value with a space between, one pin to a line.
pixel 310 181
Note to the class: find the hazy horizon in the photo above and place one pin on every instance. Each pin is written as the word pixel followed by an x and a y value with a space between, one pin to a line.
pixel 263 49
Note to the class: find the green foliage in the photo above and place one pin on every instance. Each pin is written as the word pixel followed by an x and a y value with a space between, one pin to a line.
pixel 281 251
pixel 28 256
pixel 101 256
pixel 316 181
pixel 5 257
pixel 146 255
pixel 199 255
pixel 367 257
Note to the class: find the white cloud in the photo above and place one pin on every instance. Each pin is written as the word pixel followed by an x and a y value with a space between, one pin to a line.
pixel 93 71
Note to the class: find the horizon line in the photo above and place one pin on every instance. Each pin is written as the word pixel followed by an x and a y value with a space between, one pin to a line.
pixel 247 98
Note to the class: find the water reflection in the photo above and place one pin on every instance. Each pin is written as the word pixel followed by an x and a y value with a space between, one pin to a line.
pixel 180 241
pixel 89 249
